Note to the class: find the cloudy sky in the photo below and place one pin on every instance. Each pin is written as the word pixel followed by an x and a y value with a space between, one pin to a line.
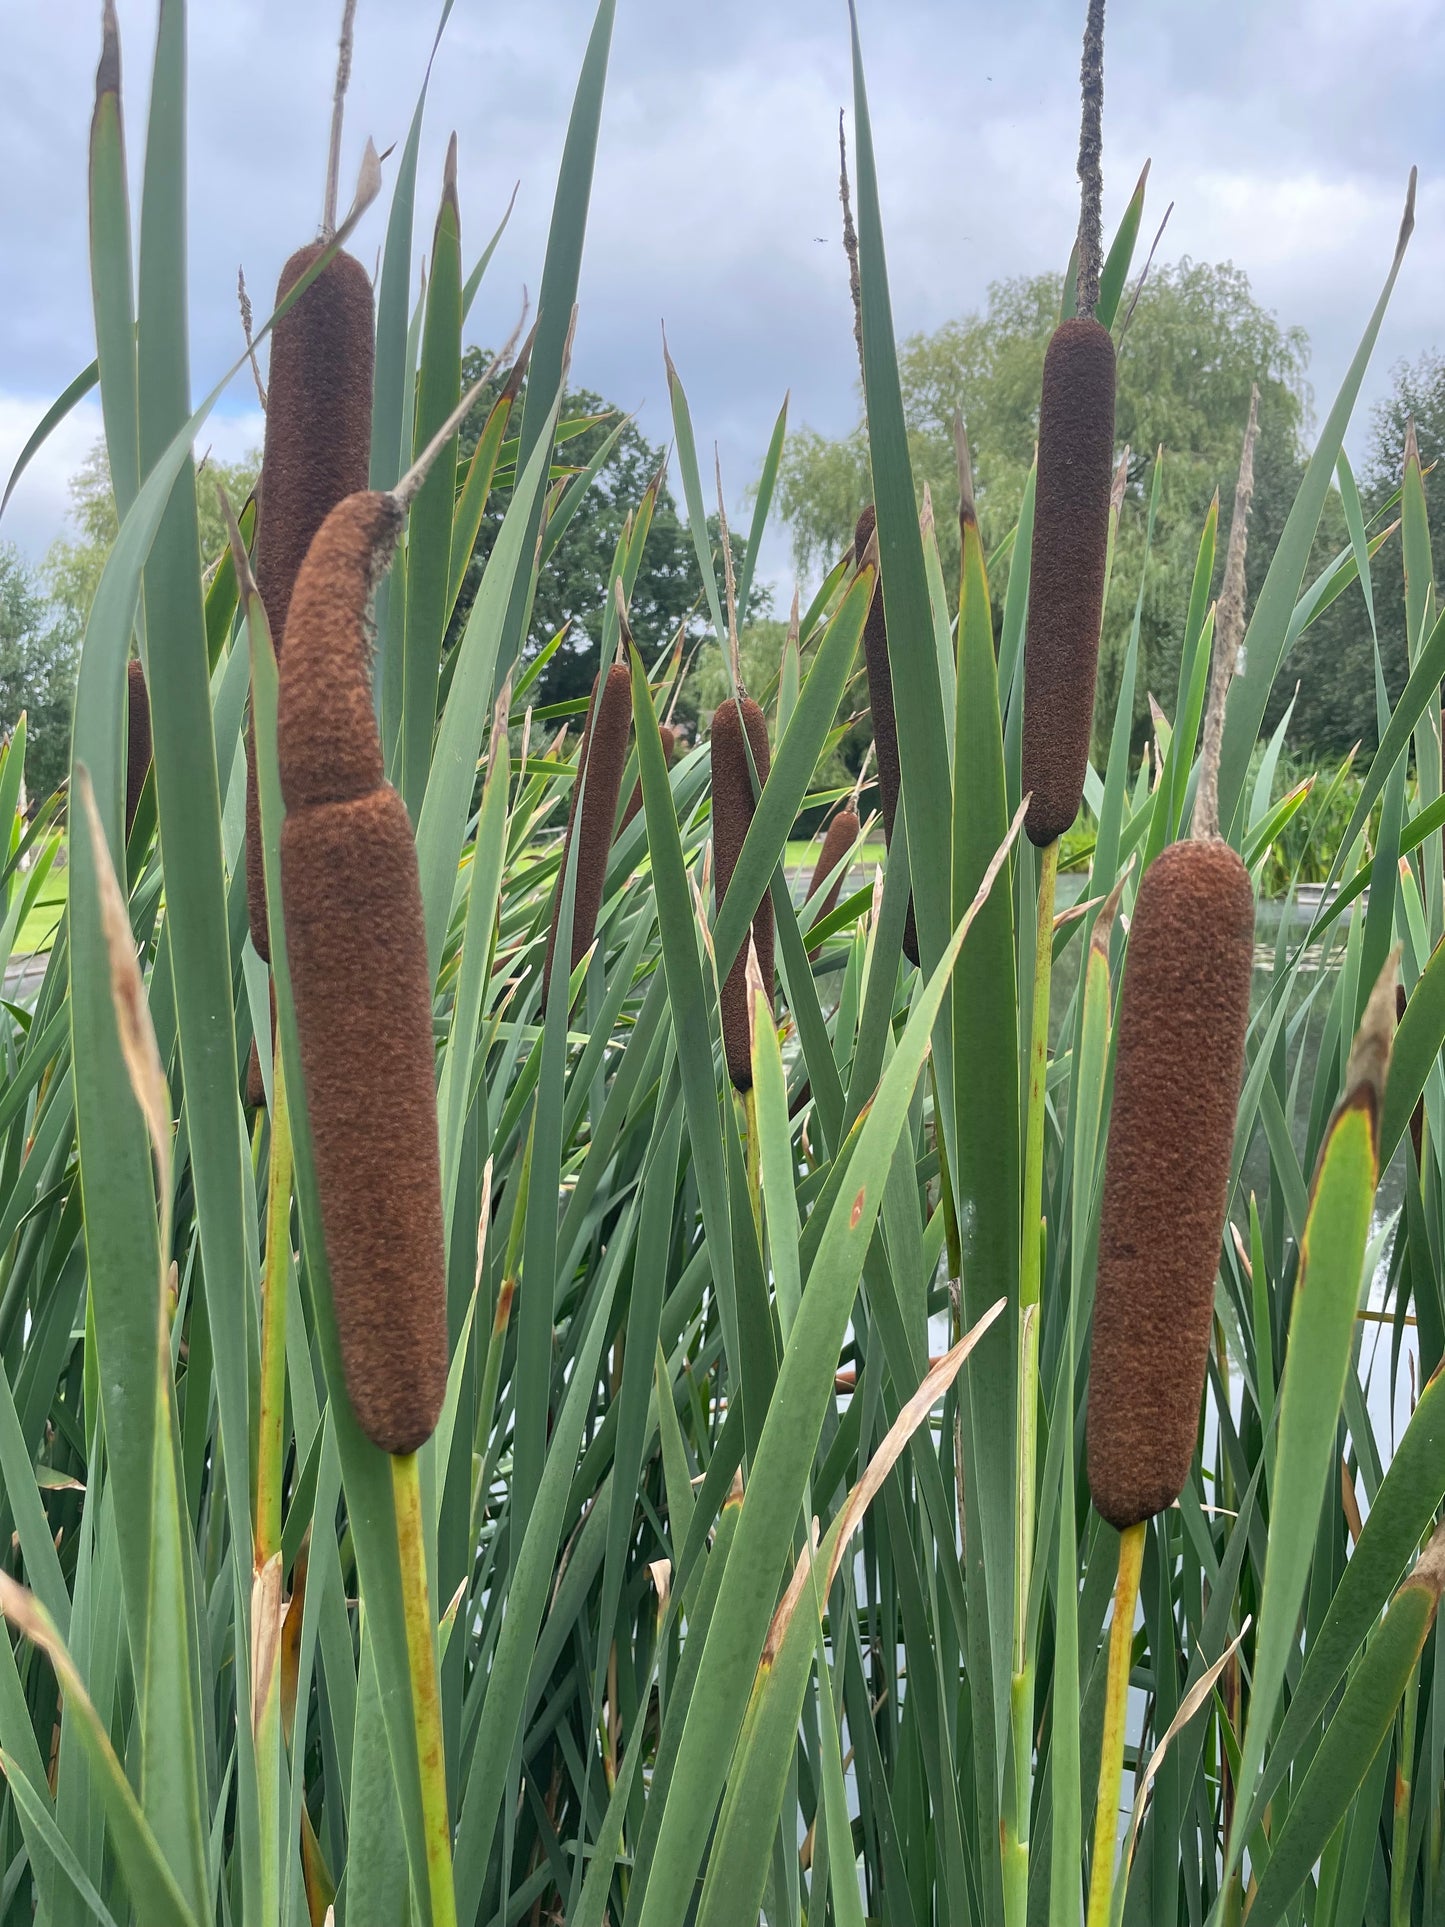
pixel 1282 132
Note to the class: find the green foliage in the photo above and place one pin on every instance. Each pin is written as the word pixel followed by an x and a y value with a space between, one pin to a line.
pixel 708 1596
pixel 39 648
pixel 572 584
pixel 1196 340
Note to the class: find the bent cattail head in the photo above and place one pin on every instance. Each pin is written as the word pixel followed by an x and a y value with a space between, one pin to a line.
pixel 733 803
pixel 317 452
pixel 138 739
pixel 880 703
pixel 1182 1026
pixel 592 812
pixel 327 744
pixel 356 948
pixel 1066 579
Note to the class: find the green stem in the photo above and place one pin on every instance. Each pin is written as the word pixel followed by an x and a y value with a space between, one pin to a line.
pixel 1021 1691
pixel 271 1443
pixel 1116 1701
pixel 425 1688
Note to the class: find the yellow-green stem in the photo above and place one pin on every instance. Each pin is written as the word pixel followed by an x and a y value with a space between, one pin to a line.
pixel 1021 1693
pixel 425 1688
pixel 1116 1701
pixel 271 1445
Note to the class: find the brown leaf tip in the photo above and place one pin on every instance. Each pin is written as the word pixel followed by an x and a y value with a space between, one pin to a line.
pixel 107 73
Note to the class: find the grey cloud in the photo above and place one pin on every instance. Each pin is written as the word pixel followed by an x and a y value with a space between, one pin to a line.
pixel 1282 134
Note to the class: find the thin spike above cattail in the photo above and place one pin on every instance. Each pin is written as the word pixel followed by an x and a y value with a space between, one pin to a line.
pixel 592 812
pixel 1071 509
pixel 733 803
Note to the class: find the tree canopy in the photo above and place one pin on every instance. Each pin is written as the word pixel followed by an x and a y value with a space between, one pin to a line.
pixel 1194 344
pixel 573 585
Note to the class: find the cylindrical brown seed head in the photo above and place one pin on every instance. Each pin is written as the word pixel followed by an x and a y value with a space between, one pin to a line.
pixel 138 739
pixel 733 803
pixel 356 947
pixel 880 703
pixel 1182 1025
pixel 1417 1116
pixel 1066 574
pixel 842 834
pixel 363 1016
pixel 255 1082
pixel 317 452
pixel 601 761
pixel 634 802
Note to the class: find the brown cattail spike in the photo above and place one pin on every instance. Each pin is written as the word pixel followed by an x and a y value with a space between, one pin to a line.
pixel 592 812
pixel 317 451
pixel 138 739
pixel 356 947
pixel 669 750
pixel 1417 1116
pixel 1071 505
pixel 733 802
pixel 1066 580
pixel 880 702
pixel 841 835
pixel 1182 1025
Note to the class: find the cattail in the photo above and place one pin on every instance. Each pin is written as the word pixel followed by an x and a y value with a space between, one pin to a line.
pixel 317 451
pixel 1066 576
pixel 733 803
pixel 356 946
pixel 1071 506
pixel 1182 1025
pixel 1417 1116
pixel 669 749
pixel 1180 1062
pixel 138 739
pixel 601 760
pixel 841 835
pixel 880 702
pixel 255 1082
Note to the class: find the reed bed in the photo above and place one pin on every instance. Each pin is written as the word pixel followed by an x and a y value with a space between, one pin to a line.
pixel 662 1447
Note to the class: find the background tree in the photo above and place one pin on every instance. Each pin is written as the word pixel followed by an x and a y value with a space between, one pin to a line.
pixel 573 582
pixel 74 564
pixel 1196 341
pixel 39 650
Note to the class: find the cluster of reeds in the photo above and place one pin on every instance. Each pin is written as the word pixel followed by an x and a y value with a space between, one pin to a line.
pixel 514 1474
